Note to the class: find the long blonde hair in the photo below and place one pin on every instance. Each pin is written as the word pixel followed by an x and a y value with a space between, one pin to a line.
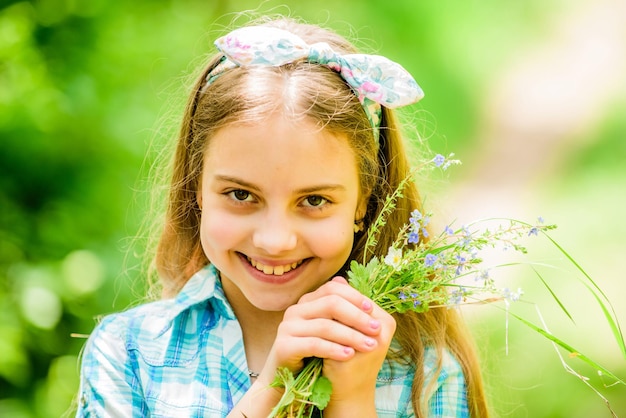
pixel 248 94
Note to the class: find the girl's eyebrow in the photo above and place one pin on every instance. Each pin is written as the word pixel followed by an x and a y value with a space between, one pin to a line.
pixel 322 188
pixel 306 190
pixel 238 181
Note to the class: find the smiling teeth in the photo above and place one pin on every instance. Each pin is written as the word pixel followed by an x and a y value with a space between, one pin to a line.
pixel 274 270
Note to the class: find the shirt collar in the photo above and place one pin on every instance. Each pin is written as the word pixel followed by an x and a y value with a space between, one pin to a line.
pixel 205 285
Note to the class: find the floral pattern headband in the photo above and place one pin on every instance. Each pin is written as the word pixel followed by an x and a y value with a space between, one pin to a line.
pixel 374 79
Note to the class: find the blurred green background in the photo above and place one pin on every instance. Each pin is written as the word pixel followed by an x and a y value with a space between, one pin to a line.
pixel 529 94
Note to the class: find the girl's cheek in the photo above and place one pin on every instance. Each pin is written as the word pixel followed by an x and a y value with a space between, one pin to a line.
pixel 220 231
pixel 328 239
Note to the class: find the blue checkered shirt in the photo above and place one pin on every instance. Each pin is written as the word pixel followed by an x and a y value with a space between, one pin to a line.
pixel 184 357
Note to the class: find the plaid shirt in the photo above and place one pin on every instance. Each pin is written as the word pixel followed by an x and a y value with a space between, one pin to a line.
pixel 184 357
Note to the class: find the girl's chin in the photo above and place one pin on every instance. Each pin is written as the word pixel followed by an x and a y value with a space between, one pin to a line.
pixel 273 303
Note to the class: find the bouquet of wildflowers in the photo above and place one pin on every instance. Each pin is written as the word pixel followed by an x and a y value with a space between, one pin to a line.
pixel 443 271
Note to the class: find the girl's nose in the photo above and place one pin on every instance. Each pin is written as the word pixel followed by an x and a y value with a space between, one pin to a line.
pixel 275 234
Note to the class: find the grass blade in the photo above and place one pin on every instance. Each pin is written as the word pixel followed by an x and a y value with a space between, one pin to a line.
pixel 607 308
pixel 568 348
pixel 554 296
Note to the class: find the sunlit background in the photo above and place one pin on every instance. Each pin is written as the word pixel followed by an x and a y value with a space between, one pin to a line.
pixel 530 95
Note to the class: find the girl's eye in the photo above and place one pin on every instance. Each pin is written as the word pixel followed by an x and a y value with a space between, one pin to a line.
pixel 314 201
pixel 240 195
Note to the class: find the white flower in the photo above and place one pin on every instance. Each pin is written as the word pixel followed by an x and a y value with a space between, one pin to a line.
pixel 394 258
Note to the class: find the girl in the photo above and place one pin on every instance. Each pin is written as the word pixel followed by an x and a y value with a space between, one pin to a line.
pixel 287 150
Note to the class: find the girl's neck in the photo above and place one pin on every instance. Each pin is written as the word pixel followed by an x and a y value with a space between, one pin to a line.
pixel 254 321
pixel 258 327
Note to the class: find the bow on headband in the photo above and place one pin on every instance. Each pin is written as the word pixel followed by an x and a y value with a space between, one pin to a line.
pixel 374 79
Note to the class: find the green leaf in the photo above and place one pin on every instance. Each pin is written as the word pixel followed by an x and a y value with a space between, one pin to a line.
pixel 358 278
pixel 321 392
pixel 283 378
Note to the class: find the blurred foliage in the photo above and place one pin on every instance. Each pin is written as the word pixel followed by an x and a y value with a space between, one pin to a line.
pixel 87 86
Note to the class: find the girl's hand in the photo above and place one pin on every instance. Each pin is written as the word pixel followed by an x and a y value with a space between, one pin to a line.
pixel 354 381
pixel 347 330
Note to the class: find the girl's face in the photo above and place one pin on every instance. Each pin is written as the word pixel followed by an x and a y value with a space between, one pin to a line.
pixel 279 200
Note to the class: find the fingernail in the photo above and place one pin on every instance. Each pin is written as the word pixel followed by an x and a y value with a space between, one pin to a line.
pixel 348 351
pixel 370 342
pixel 374 324
pixel 367 305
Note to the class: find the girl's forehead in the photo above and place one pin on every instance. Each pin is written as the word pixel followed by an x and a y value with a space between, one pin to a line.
pixel 279 134
pixel 281 149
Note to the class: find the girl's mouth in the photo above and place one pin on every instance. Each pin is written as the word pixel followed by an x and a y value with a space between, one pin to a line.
pixel 274 270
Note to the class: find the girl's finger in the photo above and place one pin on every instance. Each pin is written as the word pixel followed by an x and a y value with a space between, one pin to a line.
pixel 335 307
pixel 337 286
pixel 299 348
pixel 330 330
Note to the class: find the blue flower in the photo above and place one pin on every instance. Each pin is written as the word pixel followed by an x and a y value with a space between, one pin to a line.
pixel 439 160
pixel 416 301
pixel 462 260
pixel 457 296
pixel 512 296
pixel 416 217
pixel 448 230
pixel 424 233
pixel 430 260
pixel 402 296
pixel 414 238
pixel 533 231
pixel 467 239
pixel 484 276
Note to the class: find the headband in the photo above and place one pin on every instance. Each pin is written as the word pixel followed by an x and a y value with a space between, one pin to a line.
pixel 374 79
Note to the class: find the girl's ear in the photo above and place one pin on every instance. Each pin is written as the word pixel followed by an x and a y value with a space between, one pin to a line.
pixel 361 207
